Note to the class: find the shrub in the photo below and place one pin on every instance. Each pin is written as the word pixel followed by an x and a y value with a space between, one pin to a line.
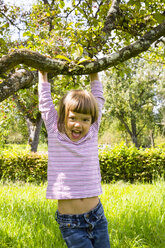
pixel 131 164
pixel 23 166
pixel 118 163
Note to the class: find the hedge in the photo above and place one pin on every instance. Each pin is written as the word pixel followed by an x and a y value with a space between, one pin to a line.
pixel 131 164
pixel 23 166
pixel 118 163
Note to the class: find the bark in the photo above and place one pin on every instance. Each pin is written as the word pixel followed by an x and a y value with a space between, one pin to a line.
pixel 19 80
pixel 34 132
pixel 152 138
pixel 134 140
pixel 112 17
pixel 57 67
pixel 134 132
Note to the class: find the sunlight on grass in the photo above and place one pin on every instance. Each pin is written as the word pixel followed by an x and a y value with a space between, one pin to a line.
pixel 135 213
pixel 25 147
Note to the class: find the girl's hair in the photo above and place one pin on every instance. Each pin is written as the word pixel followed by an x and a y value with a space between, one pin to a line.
pixel 80 101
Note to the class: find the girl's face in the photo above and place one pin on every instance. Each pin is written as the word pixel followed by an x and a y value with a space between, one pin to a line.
pixel 77 125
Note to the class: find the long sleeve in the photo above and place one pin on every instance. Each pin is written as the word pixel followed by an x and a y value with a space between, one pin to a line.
pixel 97 91
pixel 46 106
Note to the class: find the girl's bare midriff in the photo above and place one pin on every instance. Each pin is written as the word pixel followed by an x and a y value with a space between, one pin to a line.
pixel 77 206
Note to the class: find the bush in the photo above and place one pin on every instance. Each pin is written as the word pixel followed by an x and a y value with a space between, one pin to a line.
pixel 131 164
pixel 119 163
pixel 23 166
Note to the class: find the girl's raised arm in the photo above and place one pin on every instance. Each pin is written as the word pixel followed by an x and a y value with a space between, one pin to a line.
pixel 46 106
pixel 97 91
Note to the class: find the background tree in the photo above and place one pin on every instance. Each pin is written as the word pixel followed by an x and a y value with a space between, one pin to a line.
pixel 29 109
pixel 130 91
pixel 161 106
pixel 13 129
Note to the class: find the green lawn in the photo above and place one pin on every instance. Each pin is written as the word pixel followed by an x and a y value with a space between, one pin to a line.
pixel 24 147
pixel 136 216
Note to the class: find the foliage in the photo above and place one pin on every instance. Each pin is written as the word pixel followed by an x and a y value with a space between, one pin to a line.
pixel 23 166
pixel 131 164
pixel 12 125
pixel 131 96
pixel 75 30
pixel 119 163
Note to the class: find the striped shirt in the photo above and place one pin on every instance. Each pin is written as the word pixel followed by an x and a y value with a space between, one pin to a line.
pixel 73 167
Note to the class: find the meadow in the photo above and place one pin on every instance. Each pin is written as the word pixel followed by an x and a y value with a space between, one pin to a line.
pixel 135 213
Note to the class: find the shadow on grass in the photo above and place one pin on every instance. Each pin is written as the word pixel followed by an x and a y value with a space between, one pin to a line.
pixel 7 241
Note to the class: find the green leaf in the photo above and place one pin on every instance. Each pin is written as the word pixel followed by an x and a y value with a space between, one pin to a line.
pixel 62 57
pixel 2 42
pixel 62 4
pixel 85 60
pixel 80 48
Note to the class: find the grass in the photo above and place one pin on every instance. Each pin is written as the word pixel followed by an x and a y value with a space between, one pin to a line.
pixel 135 213
pixel 43 147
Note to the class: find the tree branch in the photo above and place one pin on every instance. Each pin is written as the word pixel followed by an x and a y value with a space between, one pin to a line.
pixel 141 129
pixel 118 19
pixel 19 80
pixel 57 67
pixel 113 14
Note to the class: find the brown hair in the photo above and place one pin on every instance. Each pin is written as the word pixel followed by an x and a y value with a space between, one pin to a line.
pixel 80 101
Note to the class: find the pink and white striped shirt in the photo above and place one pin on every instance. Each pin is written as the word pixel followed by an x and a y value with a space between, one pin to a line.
pixel 73 167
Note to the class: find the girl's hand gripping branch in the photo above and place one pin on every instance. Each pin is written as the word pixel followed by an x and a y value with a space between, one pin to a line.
pixel 94 76
pixel 43 77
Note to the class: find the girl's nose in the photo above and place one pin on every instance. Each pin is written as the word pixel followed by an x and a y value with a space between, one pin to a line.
pixel 77 124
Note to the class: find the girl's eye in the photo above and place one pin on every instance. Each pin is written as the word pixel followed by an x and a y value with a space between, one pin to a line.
pixel 72 118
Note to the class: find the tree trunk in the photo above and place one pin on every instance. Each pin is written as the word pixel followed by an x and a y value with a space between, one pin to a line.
pixel 134 140
pixel 134 133
pixel 34 132
pixel 152 138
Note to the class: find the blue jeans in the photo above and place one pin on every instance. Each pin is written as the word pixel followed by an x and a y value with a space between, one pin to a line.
pixel 89 230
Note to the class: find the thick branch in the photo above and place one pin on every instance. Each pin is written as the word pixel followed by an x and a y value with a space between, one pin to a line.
pixel 57 67
pixel 19 80
pixel 116 19
pixel 113 14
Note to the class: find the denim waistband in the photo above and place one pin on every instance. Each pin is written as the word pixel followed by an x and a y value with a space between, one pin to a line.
pixel 97 211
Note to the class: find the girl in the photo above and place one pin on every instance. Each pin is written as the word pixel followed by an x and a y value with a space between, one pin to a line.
pixel 73 165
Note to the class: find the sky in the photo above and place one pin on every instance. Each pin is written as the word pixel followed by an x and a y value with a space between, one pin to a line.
pixel 21 3
pixel 25 5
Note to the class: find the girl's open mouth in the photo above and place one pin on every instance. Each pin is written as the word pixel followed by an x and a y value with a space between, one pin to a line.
pixel 76 135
